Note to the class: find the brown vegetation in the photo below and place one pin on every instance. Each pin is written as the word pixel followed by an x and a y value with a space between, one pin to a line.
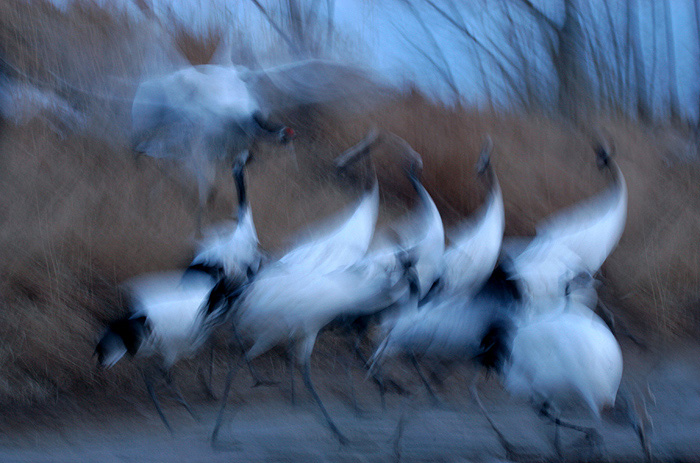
pixel 80 213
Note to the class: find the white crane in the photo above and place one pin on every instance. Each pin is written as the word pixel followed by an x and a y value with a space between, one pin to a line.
pixel 559 349
pixel 345 241
pixel 173 315
pixel 551 356
pixel 452 320
pixel 232 251
pixel 289 305
pixel 169 319
pixel 476 243
pixel 554 356
pixel 575 240
pixel 290 302
pixel 208 113
pixel 420 232
pixel 230 255
pixel 327 259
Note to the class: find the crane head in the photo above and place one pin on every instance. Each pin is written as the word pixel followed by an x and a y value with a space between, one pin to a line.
pixel 121 337
pixel 604 148
pixel 286 135
pixel 484 161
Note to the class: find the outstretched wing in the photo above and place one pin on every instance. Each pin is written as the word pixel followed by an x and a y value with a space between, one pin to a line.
pixel 316 81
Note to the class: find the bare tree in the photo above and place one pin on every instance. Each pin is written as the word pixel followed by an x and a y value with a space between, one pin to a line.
pixel 565 43
pixel 595 54
pixel 643 105
pixel 674 103
pixel 434 55
pixel 697 29
pixel 297 23
pixel 504 64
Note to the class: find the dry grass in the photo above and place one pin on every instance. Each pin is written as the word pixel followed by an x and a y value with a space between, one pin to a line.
pixel 80 213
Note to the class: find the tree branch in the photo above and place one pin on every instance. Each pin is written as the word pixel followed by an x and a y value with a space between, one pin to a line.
pixel 292 46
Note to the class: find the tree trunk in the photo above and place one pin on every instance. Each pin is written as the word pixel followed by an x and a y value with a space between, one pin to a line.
pixel 697 29
pixel 674 103
pixel 640 82
pixel 574 86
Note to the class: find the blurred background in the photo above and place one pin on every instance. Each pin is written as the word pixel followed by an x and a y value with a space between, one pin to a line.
pixel 80 213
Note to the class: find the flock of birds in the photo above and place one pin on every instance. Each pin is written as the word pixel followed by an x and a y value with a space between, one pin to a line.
pixel 521 307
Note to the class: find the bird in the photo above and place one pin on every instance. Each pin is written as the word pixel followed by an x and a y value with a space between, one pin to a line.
pixel 208 113
pixel 232 251
pixel 230 255
pixel 168 320
pixel 553 349
pixel 348 238
pixel 289 302
pixel 173 313
pixel 333 253
pixel 575 240
pixel 554 356
pixel 453 318
pixel 447 328
pixel 289 305
pixel 476 242
pixel 420 232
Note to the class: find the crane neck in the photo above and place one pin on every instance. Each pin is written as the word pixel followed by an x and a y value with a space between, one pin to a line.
pixel 239 179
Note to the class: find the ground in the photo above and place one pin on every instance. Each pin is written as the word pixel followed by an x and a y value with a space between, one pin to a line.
pixel 262 425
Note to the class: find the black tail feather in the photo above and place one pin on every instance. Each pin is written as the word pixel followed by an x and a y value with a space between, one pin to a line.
pixel 215 271
pixel 222 296
pixel 495 345
pixel 131 331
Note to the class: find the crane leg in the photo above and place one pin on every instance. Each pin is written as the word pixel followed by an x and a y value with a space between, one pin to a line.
pixel 351 384
pixel 167 374
pixel 290 370
pixel 309 385
pixel 256 378
pixel 398 434
pixel 206 384
pixel 233 367
pixel 211 367
pixel 425 382
pixel 152 393
pixel 639 419
pixel 511 453
pixel 376 376
pixel 592 435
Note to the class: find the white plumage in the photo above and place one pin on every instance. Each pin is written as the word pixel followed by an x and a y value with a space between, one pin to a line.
pixel 425 238
pixel 575 240
pixel 173 315
pixel 451 323
pixel 422 231
pixel 591 228
pixel 169 320
pixel 228 250
pixel 206 113
pixel 344 244
pixel 289 304
pixel 476 244
pixel 290 301
pixel 559 349
pixel 557 356
pixel 174 311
